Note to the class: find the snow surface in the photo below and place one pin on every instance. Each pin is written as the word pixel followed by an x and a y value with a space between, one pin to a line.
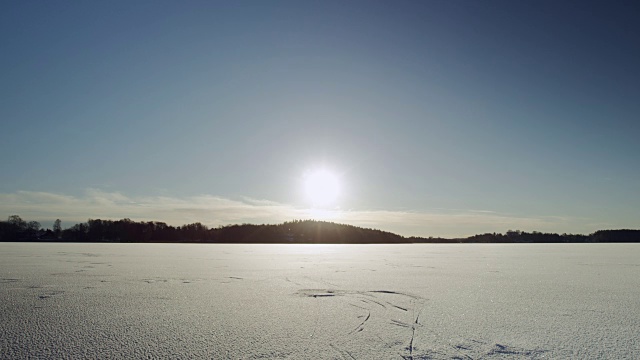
pixel 525 301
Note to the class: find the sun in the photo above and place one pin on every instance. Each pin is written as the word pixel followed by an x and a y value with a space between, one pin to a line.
pixel 322 187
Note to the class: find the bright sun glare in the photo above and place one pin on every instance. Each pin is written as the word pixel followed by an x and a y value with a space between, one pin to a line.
pixel 321 187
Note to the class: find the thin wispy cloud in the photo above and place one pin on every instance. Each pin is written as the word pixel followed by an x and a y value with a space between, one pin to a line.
pixel 215 211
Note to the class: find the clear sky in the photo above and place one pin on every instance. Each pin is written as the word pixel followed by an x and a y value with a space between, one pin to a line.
pixel 438 118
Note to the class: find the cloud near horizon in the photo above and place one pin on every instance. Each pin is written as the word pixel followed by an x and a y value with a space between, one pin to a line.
pixel 214 211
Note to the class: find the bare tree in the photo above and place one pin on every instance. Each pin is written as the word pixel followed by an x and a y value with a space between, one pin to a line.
pixel 17 222
pixel 57 228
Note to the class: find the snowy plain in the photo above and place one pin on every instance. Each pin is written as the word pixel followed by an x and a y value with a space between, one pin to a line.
pixel 435 301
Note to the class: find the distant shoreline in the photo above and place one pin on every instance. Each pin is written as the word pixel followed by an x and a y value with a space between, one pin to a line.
pixel 300 243
pixel 294 232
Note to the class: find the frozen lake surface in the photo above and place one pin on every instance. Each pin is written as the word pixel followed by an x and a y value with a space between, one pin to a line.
pixel 525 301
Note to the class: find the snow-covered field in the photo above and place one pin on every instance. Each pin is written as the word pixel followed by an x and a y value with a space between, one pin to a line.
pixel 320 301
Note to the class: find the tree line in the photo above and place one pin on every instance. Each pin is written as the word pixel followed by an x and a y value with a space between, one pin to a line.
pixel 297 231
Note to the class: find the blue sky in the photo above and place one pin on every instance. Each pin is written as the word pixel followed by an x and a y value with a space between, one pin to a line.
pixel 441 118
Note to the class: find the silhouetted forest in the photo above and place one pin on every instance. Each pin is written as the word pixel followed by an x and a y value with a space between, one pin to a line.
pixel 297 232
